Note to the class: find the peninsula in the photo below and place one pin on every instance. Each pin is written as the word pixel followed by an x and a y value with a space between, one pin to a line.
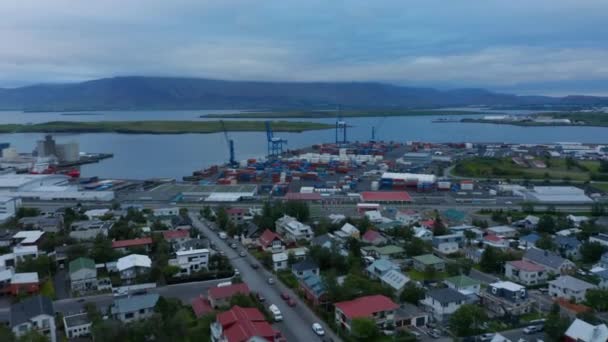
pixel 596 119
pixel 323 114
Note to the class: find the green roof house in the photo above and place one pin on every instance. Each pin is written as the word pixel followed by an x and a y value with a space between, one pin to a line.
pixel 83 275
pixel 421 262
pixel 464 284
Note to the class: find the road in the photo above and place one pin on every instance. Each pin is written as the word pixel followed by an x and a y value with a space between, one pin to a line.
pixel 516 335
pixel 297 321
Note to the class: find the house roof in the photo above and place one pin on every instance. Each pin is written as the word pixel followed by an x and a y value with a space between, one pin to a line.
pixel 543 257
pixel 461 281
pixel 366 306
pixel 304 265
pixel 321 240
pixel 25 278
pixel 571 283
pixel 382 265
pixel 76 320
pixel 371 235
pixel 240 324
pixel 176 234
pixel 132 243
pixel 267 237
pixel 526 266
pixel 395 279
pixel 567 242
pixel 572 307
pixel 28 236
pixel 134 303
pixel 390 249
pixel 278 257
pixel 227 291
pixel 446 295
pixel 349 228
pixel 582 331
pixel 428 259
pixel 531 238
pixel 508 285
pixel 201 306
pixel 30 307
pixel 314 283
pixel 80 263
pixel 133 260
pixel 385 196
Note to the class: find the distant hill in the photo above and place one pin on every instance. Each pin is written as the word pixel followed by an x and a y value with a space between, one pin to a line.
pixel 197 93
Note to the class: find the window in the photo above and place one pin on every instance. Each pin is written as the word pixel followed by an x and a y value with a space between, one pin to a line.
pixel 129 315
pixel 142 311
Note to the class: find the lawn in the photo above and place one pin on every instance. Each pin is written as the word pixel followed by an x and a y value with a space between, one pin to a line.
pixel 530 316
pixel 421 276
pixel 601 186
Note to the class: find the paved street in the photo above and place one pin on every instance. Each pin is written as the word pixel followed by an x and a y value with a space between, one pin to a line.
pixel 297 322
pixel 516 335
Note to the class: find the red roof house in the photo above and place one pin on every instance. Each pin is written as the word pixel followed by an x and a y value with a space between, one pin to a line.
pixel 240 324
pixel 124 244
pixel 176 234
pixel 220 296
pixel 373 237
pixel 270 240
pixel 495 241
pixel 201 306
pixel 385 196
pixel 377 307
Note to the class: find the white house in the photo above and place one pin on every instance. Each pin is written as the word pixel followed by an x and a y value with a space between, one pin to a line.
pixel 408 216
pixel 190 261
pixel 502 231
pixel 34 313
pixel 279 261
pixel 293 229
pixel 133 265
pixel 568 287
pixel 577 220
pixel 442 303
pixel 165 212
pixel 601 238
pixel 77 325
pixel 525 272
pixel 348 231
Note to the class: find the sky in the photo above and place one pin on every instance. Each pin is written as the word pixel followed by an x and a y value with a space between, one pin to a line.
pixel 551 47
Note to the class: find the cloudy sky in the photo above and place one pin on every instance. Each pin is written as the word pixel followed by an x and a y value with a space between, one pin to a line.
pixel 531 46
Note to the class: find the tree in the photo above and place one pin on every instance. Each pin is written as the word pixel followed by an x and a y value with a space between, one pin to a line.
pixel 469 235
pixel 412 293
pixel 467 319
pixel 222 218
pixel 546 224
pixel 102 250
pixel 32 336
pixel 206 212
pixel 597 299
pixel 43 265
pixel 6 334
pixel 555 325
pixel 591 251
pixel 416 247
pixel 439 227
pixel 491 260
pixel 27 212
pixel 527 207
pixel 545 242
pixel 364 329
pixel 598 209
pixel 430 272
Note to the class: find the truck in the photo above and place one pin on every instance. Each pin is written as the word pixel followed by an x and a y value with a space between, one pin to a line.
pixel 276 313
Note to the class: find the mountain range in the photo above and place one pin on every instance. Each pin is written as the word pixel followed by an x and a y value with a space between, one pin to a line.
pixel 137 92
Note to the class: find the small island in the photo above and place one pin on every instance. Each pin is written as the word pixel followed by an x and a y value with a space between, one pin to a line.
pixel 596 119
pixel 325 114
pixel 159 127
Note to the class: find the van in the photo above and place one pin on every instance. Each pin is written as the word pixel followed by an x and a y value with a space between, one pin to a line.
pixel 276 313
pixel 223 235
pixel 224 284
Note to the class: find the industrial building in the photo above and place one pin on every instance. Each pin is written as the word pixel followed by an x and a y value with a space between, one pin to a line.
pixel 48 187
pixel 554 195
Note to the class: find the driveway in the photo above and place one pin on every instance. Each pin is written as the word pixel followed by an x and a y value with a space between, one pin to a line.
pixel 297 321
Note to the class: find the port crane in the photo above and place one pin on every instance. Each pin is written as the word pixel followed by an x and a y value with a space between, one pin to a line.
pixel 340 130
pixel 232 162
pixel 275 144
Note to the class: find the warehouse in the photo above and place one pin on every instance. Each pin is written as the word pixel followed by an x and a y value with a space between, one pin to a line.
pixel 554 195
pixel 386 196
pixel 47 188
pixel 25 182
pixel 392 180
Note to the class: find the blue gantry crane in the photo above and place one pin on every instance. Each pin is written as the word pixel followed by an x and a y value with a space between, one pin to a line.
pixel 232 162
pixel 275 144
pixel 340 131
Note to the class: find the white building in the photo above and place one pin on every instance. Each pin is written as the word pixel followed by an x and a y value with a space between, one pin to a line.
pixel 279 261
pixel 293 230
pixel 28 237
pixel 190 261
pixel 8 207
pixel 568 287
pixel 166 212
pixel 601 238
pixel 133 265
pixel 77 325
pixel 34 313
pixel 47 187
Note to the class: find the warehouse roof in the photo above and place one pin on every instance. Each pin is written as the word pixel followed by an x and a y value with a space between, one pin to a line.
pixel 299 196
pixel 385 196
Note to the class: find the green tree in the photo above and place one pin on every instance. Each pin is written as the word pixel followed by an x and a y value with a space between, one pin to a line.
pixel 364 329
pixel 469 236
pixel 591 251
pixel 439 227
pixel 467 320
pixel 412 293
pixel 222 218
pixel 43 265
pixel 6 334
pixel 598 209
pixel 546 224
pixel 32 336
pixel 597 299
pixel 416 247
pixel 527 207
pixel 102 250
pixel 206 212
pixel 491 260
pixel 430 272
pixel 546 242
pixel 555 325
pixel 27 212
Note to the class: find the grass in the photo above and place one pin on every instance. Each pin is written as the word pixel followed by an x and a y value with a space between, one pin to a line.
pixel 421 276
pixel 530 316
pixel 288 279
pixel 557 169
pixel 601 186
pixel 324 114
pixel 159 127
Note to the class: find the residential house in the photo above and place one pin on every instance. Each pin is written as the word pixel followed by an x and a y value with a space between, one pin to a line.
pixel 34 313
pixel 601 238
pixel 134 308
pixel 408 217
pixel 421 262
pixel 380 267
pixel 448 244
pixel 6 237
pixel 28 237
pixel 133 265
pixel 220 296
pixel 529 241
pixel 48 224
pixel 577 221
pixel 83 275
pixel 243 324
pixel 373 237
pixel 603 263
pixel 408 315
pixel 442 303
pixel 395 280
pixel 384 252
pixel 380 309
pixel 280 261
pixel 78 325
pixel 269 241
pixel 581 331
pixel 201 306
pixel 568 246
pixel 95 214
pixel 8 207
pixel 568 232
pixel 506 298
pixel 374 216
pixel 453 216
pixel 236 215
pixel 495 241
pixel 293 230
pixel 348 231
pixel 190 261
pixel 569 288
pixel 20 253
pixel 304 269
pixel 502 231
pixel 177 238
pixel 125 245
pixel 313 289
pixel 473 254
pixel 423 233
pixel 88 230
pixel 525 272
pixel 180 222
pixel 24 283
pixel 250 234
pixel 552 262
pixel 324 241
pixel 529 222
pixel 466 285
pixel 603 277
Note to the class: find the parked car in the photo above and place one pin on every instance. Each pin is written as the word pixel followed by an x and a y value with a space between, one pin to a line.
pixel 291 302
pixel 254 266
pixel 434 333
pixel 318 329
pixel 260 297
pixel 270 281
pixel 242 253
pixel 233 246
pixel 531 329
pixel 236 273
pixel 285 296
pixel 486 337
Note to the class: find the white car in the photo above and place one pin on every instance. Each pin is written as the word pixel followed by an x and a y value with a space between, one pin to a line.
pixel 318 329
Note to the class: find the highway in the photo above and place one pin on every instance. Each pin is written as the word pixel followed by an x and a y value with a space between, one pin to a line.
pixel 297 321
